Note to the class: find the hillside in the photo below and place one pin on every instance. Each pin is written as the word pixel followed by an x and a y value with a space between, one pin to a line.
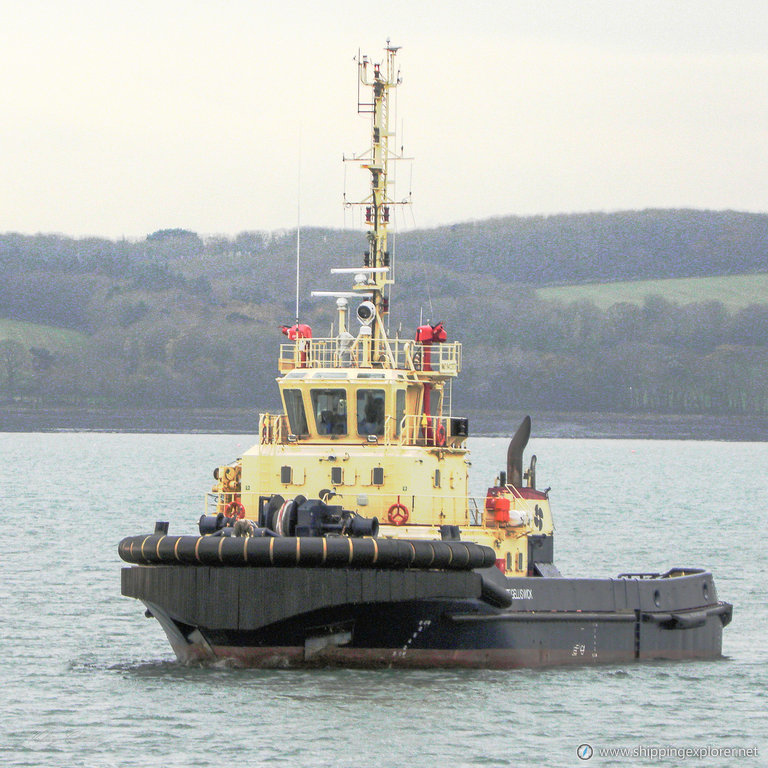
pixel 733 291
pixel 181 320
pixel 602 247
pixel 62 340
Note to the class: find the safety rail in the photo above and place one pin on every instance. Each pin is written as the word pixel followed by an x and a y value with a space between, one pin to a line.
pixel 453 510
pixel 436 431
pixel 421 430
pixel 438 359
pixel 274 429
pixel 225 502
pixel 670 574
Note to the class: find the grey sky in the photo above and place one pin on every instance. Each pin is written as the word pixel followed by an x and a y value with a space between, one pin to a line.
pixel 119 118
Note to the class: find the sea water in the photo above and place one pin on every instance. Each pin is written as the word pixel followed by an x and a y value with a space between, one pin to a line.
pixel 88 681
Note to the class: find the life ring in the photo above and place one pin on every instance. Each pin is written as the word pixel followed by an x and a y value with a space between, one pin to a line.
pixel 235 509
pixel 440 435
pixel 397 514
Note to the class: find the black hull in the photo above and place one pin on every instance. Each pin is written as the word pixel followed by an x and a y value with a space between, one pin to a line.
pixel 297 617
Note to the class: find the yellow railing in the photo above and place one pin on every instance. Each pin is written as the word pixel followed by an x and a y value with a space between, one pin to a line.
pixel 222 501
pixel 430 431
pixel 422 509
pixel 427 431
pixel 273 428
pixel 437 359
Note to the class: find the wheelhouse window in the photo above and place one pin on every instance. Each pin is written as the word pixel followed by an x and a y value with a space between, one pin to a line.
pixel 330 407
pixel 370 412
pixel 294 409
pixel 399 410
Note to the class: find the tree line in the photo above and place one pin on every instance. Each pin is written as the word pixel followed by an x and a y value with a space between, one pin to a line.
pixel 180 320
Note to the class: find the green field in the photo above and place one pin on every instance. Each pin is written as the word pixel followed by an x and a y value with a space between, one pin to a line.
pixel 735 291
pixel 44 336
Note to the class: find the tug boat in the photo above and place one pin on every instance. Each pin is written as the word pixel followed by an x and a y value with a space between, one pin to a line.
pixel 347 535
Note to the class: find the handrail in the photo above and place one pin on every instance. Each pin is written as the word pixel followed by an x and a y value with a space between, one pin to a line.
pixel 273 428
pixel 468 510
pixel 418 430
pixel 430 431
pixel 439 360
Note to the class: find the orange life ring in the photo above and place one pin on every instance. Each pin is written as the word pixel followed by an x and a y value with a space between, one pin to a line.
pixel 397 514
pixel 235 509
pixel 440 435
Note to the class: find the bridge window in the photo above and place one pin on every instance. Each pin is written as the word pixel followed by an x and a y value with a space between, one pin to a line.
pixel 399 410
pixel 294 409
pixel 330 407
pixel 370 412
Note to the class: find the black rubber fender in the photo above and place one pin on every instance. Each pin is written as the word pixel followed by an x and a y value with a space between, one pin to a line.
pixel 309 551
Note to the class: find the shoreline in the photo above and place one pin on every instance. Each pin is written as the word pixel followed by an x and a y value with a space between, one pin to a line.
pixel 547 424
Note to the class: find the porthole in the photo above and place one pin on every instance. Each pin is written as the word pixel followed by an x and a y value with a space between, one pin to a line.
pixel 657 598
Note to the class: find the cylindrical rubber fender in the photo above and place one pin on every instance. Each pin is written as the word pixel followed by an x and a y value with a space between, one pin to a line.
pixel 340 551
pixel 424 554
pixel 481 556
pixel 257 550
pixel 166 549
pixel 396 553
pixel 366 552
pixel 443 555
pixel 185 549
pixel 312 550
pixel 308 551
pixel 462 555
pixel 208 550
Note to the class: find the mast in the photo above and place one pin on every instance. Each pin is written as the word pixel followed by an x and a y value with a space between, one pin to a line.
pixel 382 79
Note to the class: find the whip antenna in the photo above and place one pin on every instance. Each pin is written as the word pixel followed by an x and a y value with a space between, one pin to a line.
pixel 298 231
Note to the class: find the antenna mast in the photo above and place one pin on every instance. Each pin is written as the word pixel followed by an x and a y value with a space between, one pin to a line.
pixel 298 234
pixel 382 79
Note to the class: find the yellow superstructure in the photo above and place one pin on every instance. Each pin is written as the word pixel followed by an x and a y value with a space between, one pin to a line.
pixel 367 420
